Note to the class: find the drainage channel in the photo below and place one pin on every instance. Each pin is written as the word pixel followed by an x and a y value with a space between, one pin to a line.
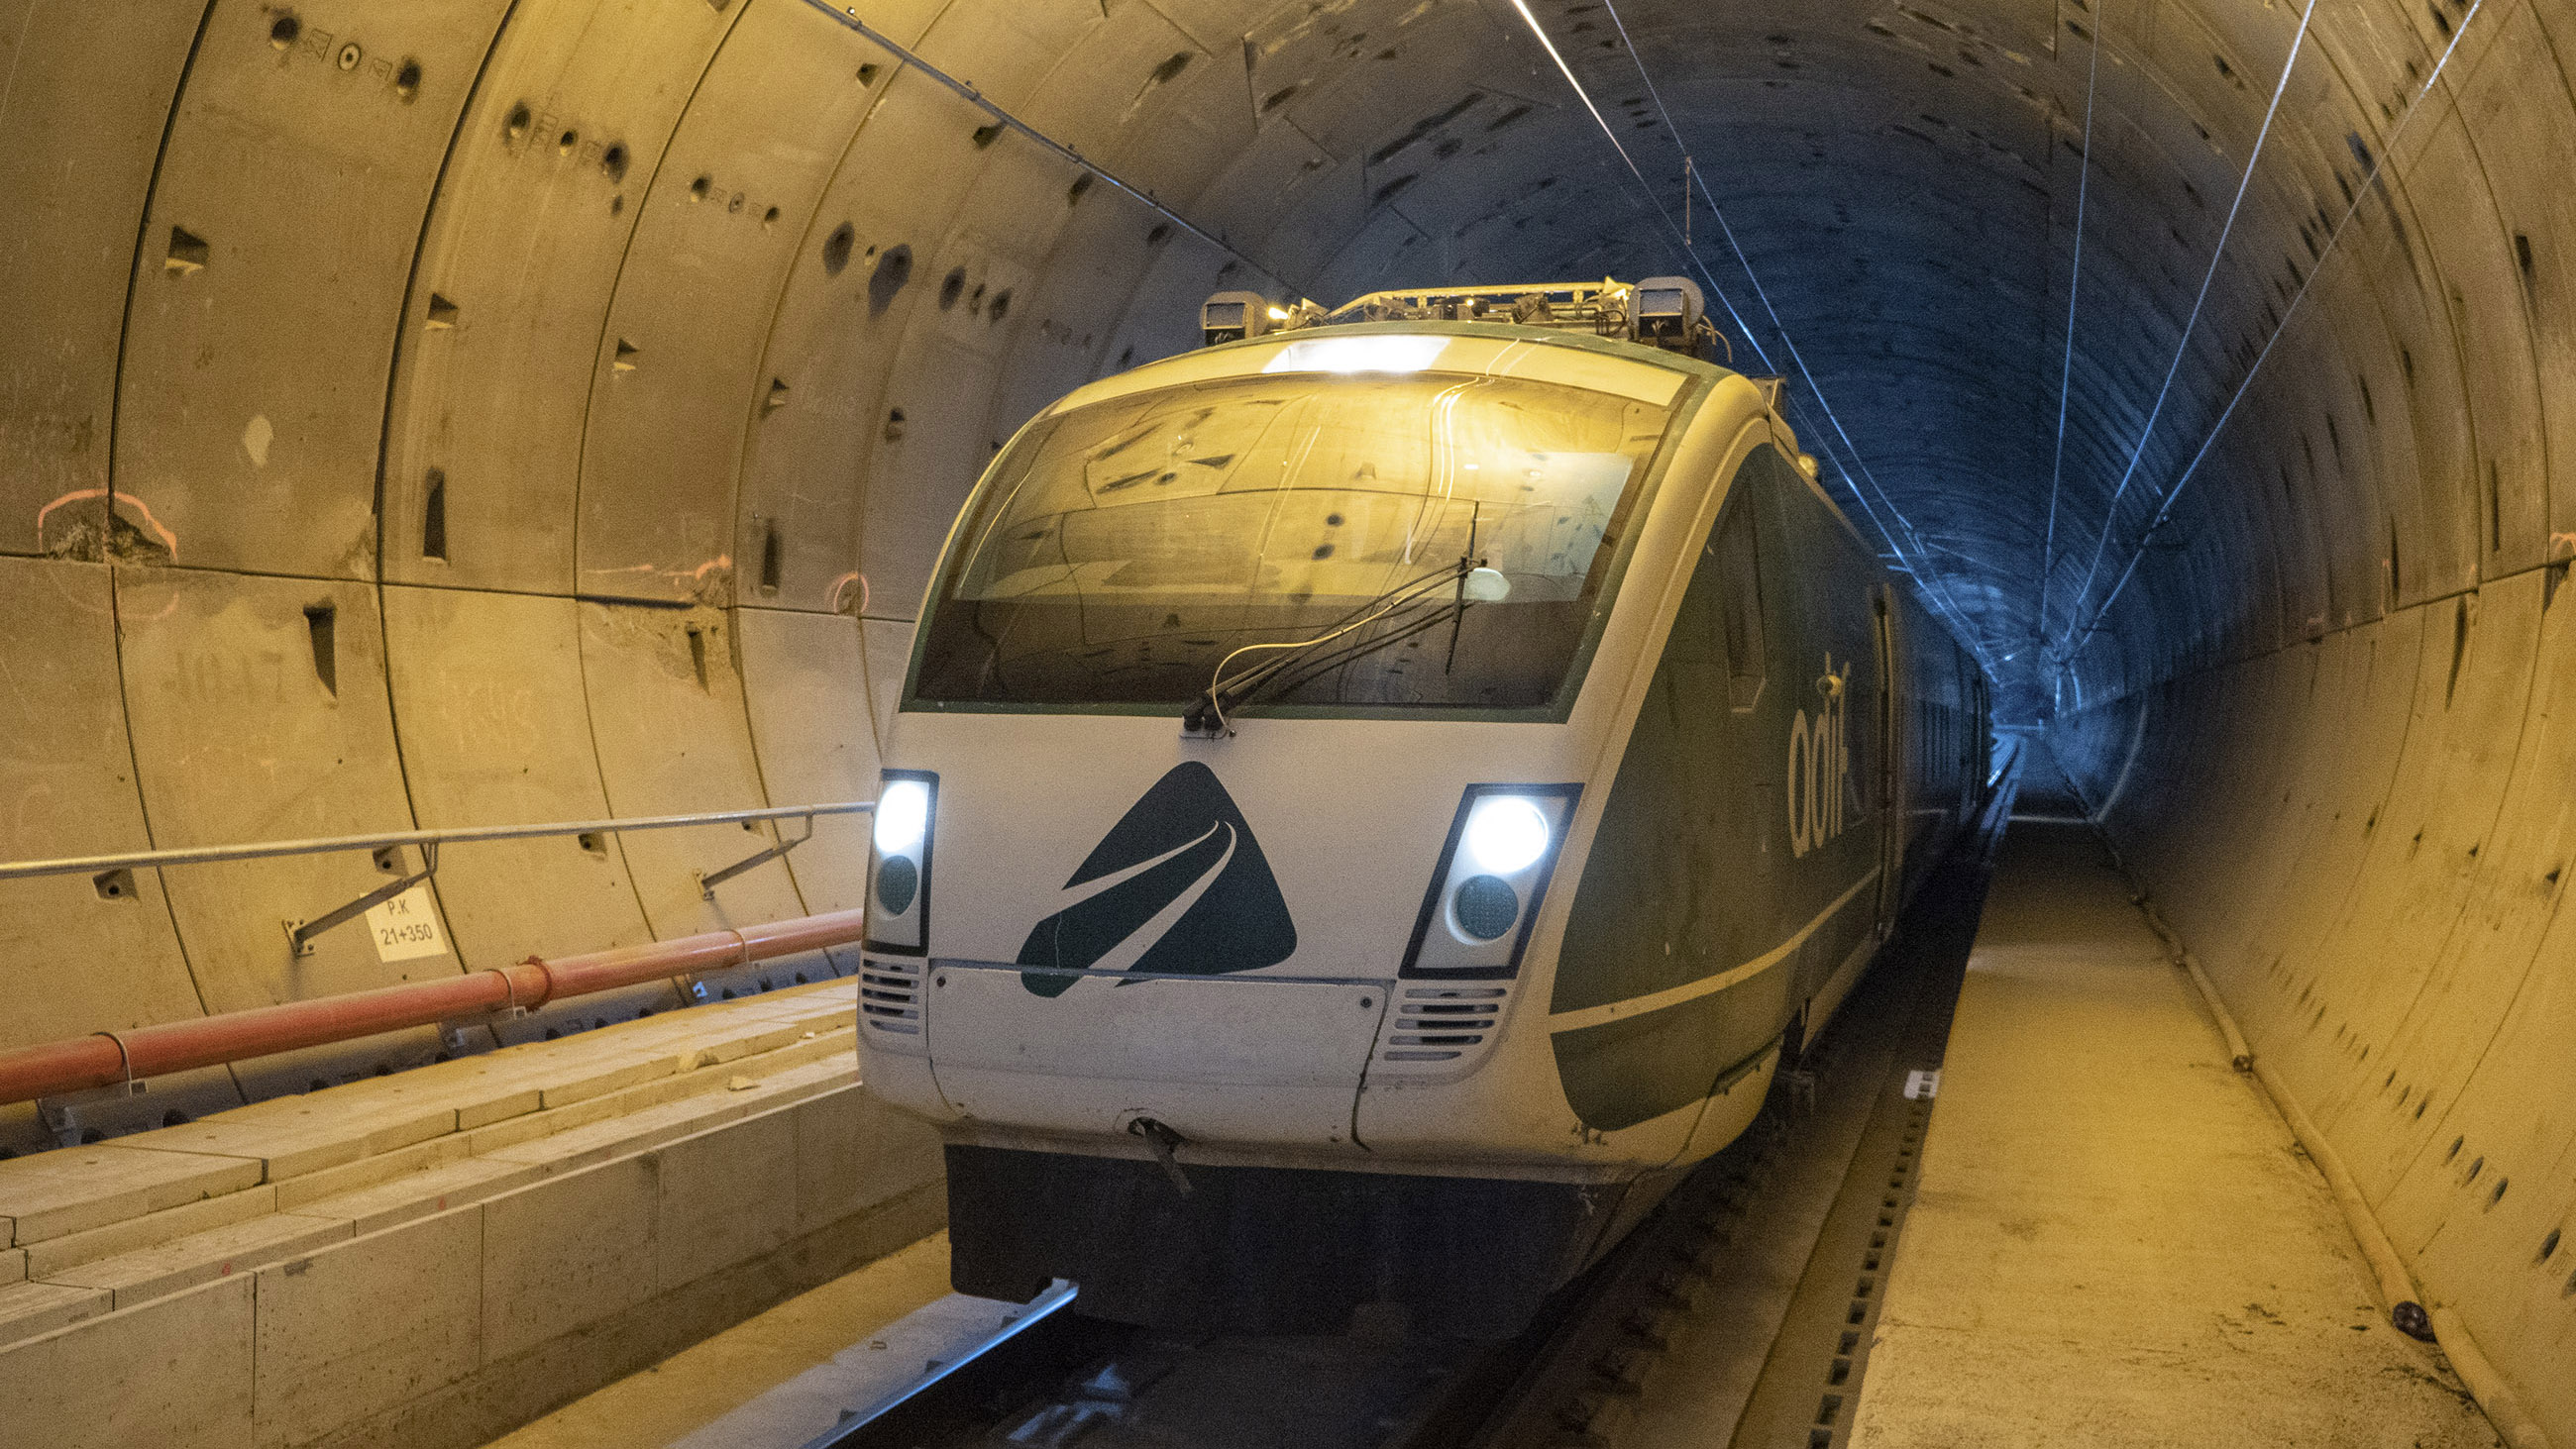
pixel 1810 1383
pixel 1747 1299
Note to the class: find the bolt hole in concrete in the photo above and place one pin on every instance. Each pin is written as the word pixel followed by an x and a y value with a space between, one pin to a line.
pixel 187 252
pixel 407 80
pixel 893 271
pixel 283 30
pixel 433 516
pixel 321 625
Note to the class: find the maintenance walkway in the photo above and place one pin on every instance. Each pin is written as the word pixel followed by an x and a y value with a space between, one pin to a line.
pixel 2115 1240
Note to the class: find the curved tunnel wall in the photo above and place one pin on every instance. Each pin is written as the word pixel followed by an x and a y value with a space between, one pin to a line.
pixel 486 410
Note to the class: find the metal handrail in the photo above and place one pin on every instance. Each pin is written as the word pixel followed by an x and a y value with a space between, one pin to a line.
pixel 431 839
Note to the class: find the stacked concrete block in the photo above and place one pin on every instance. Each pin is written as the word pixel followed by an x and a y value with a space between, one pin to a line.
pixel 324 1270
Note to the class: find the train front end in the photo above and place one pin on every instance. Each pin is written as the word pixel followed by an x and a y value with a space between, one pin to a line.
pixel 1237 786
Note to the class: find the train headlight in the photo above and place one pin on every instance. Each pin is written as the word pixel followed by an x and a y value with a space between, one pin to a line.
pixel 898 902
pixel 1506 832
pixel 903 814
pixel 1492 873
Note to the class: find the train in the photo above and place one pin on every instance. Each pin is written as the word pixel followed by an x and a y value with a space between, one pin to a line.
pixel 1376 798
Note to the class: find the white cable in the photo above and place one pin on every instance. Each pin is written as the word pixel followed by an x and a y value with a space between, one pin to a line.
pixel 2076 637
pixel 1936 589
pixel 2182 348
pixel 2066 366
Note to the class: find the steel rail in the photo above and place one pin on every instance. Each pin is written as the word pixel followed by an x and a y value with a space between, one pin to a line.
pixel 111 1058
pixel 321 845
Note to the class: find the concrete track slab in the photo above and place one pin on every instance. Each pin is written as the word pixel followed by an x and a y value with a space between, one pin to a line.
pixel 65 1192
pixel 166 1268
pixel 2116 1241
pixel 787 1375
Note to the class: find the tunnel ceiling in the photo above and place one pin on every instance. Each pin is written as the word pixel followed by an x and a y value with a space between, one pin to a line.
pixel 413 243
pixel 1901 189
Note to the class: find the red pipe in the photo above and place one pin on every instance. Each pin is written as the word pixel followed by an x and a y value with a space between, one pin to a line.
pixel 104 1058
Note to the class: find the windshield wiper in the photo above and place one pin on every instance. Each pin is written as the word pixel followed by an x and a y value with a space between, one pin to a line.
pixel 1206 714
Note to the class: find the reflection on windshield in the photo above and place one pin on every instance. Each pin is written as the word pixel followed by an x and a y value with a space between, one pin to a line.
pixel 1120 550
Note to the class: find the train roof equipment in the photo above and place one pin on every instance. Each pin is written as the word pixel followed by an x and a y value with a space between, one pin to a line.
pixel 1668 313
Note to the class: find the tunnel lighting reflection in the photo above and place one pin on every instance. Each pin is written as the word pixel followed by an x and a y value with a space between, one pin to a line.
pixel 1506 833
pixel 1357 354
pixel 903 811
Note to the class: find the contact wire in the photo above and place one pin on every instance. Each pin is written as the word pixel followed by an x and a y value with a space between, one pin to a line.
pixel 2370 179
pixel 847 17
pixel 1935 583
pixel 2066 365
pixel 2191 324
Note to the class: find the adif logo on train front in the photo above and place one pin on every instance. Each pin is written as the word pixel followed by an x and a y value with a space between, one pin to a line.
pixel 1178 887
pixel 1820 766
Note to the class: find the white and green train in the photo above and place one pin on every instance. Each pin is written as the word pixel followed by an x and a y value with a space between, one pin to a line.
pixel 1372 802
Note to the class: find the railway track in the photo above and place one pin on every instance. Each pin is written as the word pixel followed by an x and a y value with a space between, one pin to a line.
pixel 1745 1300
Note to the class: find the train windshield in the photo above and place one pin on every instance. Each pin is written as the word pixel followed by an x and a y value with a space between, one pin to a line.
pixel 1123 549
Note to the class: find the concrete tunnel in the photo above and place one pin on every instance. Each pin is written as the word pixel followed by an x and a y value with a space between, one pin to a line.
pixel 480 412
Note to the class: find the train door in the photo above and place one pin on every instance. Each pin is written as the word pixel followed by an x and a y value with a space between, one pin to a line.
pixel 1890 785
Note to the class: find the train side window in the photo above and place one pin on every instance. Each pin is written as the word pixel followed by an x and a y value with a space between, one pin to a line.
pixel 1739 565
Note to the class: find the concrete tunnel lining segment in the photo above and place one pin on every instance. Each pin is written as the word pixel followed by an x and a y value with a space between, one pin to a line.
pixel 469 322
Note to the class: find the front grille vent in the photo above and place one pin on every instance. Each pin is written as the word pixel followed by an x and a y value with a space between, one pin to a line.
pixel 890 995
pixel 1442 1023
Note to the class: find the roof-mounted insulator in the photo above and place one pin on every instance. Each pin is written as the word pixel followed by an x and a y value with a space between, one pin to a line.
pixel 1234 316
pixel 1663 312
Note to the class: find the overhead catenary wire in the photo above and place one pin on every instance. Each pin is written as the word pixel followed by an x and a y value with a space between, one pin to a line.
pixel 1857 471
pixel 2066 364
pixel 847 17
pixel 1896 551
pixel 2077 636
pixel 2191 324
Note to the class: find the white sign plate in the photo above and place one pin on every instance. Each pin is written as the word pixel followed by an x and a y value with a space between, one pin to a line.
pixel 406 927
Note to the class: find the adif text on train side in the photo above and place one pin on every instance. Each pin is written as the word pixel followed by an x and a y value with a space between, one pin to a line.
pixel 1820 765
